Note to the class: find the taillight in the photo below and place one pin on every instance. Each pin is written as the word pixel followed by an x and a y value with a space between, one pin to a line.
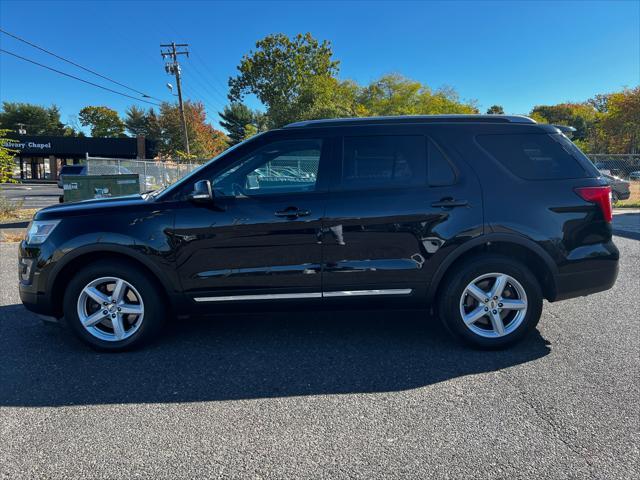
pixel 600 196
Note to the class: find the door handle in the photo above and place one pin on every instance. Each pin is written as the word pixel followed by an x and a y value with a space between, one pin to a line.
pixel 292 212
pixel 450 203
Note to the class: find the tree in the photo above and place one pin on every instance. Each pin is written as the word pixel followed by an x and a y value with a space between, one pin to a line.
pixel 279 72
pixel 495 110
pixel 397 95
pixel 7 155
pixel 582 116
pixel 104 121
pixel 619 126
pixel 204 140
pixel 37 120
pixel 235 119
pixel 140 122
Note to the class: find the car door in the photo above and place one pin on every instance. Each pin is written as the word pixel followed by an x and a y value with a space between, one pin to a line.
pixel 397 203
pixel 259 238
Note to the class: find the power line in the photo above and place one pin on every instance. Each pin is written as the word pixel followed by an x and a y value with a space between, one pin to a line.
pixel 78 65
pixel 77 78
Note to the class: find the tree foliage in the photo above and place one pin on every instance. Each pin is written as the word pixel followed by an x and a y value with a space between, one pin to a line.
pixel 37 119
pixel 6 157
pixel 237 119
pixel 495 110
pixel 619 125
pixel 204 140
pixel 103 121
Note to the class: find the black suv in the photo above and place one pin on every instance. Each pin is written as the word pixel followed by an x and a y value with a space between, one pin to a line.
pixel 478 217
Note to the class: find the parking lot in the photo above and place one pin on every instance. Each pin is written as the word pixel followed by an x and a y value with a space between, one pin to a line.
pixel 328 395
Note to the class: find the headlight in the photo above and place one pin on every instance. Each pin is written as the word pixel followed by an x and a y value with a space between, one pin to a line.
pixel 39 231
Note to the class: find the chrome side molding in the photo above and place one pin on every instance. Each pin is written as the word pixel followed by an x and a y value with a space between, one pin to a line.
pixel 291 296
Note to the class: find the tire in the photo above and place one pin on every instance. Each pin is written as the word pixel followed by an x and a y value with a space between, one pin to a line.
pixel 614 196
pixel 520 288
pixel 139 314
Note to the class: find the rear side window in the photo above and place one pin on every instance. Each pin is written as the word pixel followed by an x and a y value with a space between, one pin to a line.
pixel 384 161
pixel 536 156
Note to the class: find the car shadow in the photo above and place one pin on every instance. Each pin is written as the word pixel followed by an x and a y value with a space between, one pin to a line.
pixel 244 356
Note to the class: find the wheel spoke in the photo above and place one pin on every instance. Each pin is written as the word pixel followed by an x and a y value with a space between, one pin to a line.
pixel 118 327
pixel 118 290
pixel 498 287
pixel 477 293
pixel 496 323
pixel 97 296
pixel 93 319
pixel 474 315
pixel 513 304
pixel 131 309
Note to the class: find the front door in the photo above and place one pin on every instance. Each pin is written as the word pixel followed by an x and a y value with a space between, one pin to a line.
pixel 259 239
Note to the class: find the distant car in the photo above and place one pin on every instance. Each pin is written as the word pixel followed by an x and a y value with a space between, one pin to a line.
pixel 104 170
pixel 71 170
pixel 634 175
pixel 619 188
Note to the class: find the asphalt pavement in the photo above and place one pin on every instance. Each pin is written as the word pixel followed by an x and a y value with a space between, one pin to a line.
pixel 369 394
pixel 31 195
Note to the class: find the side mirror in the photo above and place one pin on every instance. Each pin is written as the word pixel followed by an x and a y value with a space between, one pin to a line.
pixel 201 192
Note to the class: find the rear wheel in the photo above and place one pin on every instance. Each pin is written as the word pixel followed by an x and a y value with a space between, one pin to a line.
pixel 112 306
pixel 490 301
pixel 614 196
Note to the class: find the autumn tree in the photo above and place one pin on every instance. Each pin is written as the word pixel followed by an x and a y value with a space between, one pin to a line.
pixel 204 140
pixel 104 121
pixel 619 125
pixel 6 157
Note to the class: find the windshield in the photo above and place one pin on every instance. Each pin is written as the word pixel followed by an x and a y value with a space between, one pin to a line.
pixel 169 188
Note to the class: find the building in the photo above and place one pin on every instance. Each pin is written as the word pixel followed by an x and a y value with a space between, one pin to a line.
pixel 42 157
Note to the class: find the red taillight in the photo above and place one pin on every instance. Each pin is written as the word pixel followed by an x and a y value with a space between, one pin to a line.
pixel 599 195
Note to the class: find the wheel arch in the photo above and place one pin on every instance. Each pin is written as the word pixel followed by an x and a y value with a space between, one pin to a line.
pixel 514 246
pixel 64 270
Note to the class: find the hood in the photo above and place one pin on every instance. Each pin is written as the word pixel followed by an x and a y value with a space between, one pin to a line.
pixel 92 206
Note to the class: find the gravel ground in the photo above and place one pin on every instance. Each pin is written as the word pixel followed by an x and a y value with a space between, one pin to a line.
pixel 327 395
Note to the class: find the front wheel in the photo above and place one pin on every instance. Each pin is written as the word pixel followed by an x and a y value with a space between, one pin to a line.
pixel 490 301
pixel 113 306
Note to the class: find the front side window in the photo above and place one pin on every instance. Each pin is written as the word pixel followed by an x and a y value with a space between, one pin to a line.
pixel 383 161
pixel 287 166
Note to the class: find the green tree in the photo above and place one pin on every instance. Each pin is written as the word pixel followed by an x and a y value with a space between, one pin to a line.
pixel 281 72
pixel 37 120
pixel 7 155
pixel 495 110
pixel 397 95
pixel 140 122
pixel 582 116
pixel 235 119
pixel 104 121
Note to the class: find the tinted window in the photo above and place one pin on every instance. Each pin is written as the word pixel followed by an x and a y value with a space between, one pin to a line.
pixel 440 170
pixel 279 167
pixel 535 156
pixel 383 161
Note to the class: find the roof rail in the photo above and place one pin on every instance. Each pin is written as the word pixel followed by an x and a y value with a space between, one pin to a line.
pixel 328 122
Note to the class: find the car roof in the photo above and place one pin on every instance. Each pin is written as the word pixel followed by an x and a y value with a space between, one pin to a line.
pixel 400 119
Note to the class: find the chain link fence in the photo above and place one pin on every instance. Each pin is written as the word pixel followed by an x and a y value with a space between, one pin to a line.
pixel 152 173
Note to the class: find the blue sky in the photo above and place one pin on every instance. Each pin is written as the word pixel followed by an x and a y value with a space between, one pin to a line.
pixel 513 53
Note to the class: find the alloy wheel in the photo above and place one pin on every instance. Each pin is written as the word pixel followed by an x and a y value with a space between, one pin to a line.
pixel 110 309
pixel 493 305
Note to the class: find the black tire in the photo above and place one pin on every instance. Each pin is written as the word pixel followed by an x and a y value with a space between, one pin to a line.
pixel 154 304
pixel 455 283
pixel 614 196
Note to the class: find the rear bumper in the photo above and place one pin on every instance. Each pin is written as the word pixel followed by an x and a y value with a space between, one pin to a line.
pixel 579 284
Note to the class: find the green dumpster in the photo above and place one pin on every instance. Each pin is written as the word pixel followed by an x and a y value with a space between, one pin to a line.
pixel 84 187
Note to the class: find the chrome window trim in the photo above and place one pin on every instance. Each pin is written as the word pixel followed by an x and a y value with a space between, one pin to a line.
pixel 289 296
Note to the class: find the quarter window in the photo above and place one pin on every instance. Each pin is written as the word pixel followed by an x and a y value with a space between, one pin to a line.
pixel 440 170
pixel 383 161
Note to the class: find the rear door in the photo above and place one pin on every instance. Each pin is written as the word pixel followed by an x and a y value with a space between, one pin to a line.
pixel 398 203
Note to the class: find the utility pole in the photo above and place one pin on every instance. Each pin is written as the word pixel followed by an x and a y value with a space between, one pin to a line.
pixel 173 68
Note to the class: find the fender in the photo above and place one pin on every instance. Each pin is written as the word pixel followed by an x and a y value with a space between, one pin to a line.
pixel 165 280
pixel 483 239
